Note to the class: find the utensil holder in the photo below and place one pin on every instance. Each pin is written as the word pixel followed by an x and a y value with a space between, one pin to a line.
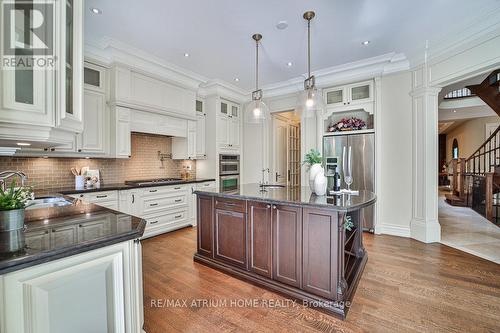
pixel 79 182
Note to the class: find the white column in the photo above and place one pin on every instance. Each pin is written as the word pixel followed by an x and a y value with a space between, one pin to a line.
pixel 424 224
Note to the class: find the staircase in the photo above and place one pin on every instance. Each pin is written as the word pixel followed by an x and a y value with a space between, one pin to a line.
pixel 476 180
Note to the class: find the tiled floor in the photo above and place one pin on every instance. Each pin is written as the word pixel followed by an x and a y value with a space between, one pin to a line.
pixel 466 230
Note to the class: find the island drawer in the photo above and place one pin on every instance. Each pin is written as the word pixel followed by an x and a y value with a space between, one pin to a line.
pixel 231 204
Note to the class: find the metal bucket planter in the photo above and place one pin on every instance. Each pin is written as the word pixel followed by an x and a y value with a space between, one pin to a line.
pixel 11 230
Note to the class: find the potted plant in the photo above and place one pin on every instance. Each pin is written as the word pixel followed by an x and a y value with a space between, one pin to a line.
pixel 314 160
pixel 13 201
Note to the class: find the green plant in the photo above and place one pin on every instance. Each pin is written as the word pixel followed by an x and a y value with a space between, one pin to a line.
pixel 348 223
pixel 313 157
pixel 15 197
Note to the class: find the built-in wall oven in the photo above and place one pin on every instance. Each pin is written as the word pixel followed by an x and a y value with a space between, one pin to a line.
pixel 229 173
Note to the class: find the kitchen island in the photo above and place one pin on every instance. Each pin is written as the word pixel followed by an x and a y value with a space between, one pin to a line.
pixel 76 267
pixel 306 247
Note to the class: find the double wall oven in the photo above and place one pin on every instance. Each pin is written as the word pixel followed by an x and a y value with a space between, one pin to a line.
pixel 229 173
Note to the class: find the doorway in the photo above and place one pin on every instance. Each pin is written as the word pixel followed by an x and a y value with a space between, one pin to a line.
pixel 286 161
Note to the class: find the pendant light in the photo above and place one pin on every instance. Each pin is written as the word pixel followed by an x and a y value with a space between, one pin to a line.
pixel 310 99
pixel 256 110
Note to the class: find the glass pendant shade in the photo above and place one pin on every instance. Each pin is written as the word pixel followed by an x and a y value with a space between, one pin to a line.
pixel 256 112
pixel 310 100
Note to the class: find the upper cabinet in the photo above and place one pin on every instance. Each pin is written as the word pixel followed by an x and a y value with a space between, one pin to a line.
pixel 349 95
pixel 41 101
pixel 94 77
pixel 228 126
pixel 144 92
pixel 201 120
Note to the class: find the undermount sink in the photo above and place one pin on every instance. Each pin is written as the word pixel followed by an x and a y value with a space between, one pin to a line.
pixel 48 202
pixel 272 186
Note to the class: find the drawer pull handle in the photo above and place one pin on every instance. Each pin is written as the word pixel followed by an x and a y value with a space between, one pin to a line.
pixel 101 196
pixel 177 216
pixel 152 191
pixel 153 204
pixel 177 188
pixel 178 200
pixel 230 204
pixel 153 222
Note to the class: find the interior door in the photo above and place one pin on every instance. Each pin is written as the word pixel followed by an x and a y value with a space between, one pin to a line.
pixel 280 151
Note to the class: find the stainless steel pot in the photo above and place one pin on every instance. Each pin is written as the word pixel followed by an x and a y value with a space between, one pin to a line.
pixel 11 220
pixel 12 230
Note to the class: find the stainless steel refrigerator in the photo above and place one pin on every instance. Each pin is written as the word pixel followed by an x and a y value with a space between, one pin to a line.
pixel 363 165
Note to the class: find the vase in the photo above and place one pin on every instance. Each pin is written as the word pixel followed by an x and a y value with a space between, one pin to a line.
pixel 320 184
pixel 313 171
pixel 11 230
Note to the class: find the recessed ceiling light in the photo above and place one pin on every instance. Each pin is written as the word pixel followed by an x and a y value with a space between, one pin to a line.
pixel 289 64
pixel 366 42
pixel 236 79
pixel 23 144
pixel 186 55
pixel 96 10
pixel 282 25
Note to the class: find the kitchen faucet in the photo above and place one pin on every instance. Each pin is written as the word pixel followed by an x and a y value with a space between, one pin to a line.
pixel 4 175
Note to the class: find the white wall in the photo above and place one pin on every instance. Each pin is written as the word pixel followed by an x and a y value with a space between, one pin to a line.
pixel 394 131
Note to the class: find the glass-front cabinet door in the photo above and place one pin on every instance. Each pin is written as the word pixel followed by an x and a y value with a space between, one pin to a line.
pixel 94 77
pixel 70 102
pixel 361 92
pixel 235 111
pixel 335 96
pixel 224 108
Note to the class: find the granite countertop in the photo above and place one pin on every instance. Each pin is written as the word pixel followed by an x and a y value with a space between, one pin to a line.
pixel 115 186
pixel 58 232
pixel 300 196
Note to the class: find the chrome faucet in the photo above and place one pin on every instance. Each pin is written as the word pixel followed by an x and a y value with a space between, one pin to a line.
pixel 4 175
pixel 263 177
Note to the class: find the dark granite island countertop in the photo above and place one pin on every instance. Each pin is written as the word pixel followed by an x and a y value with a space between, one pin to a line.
pixel 57 232
pixel 300 196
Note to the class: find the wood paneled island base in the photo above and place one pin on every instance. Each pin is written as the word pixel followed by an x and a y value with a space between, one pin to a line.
pixel 287 240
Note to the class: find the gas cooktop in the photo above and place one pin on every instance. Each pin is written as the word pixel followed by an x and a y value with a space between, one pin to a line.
pixel 146 182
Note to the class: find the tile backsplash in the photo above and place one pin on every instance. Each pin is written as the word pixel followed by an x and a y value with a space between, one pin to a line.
pixel 53 173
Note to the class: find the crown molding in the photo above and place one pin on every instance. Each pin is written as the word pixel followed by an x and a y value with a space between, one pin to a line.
pixel 110 51
pixel 478 29
pixel 346 73
pixel 223 89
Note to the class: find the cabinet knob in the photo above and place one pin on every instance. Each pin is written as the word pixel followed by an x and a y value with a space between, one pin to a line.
pixel 348 102
pixel 79 150
pixel 81 195
pixel 274 206
pixel 268 206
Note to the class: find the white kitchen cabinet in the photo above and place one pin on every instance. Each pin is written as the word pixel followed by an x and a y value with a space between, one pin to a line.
pixel 200 130
pixel 95 136
pixel 130 202
pixel 184 148
pixel 108 199
pixel 228 126
pixel 348 95
pixel 120 132
pixel 107 283
pixel 94 77
pixel 43 106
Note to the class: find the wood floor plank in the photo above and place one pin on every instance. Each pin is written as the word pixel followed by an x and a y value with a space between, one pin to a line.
pixel 407 286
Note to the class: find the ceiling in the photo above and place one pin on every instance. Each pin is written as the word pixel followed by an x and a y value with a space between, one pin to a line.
pixel 217 33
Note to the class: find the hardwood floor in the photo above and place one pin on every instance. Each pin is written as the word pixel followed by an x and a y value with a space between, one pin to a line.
pixel 407 286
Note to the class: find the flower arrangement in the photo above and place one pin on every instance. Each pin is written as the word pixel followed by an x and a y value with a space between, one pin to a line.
pixel 347 124
pixel 15 197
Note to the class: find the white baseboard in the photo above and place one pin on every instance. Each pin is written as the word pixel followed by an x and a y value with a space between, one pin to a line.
pixel 393 230
pixel 427 231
